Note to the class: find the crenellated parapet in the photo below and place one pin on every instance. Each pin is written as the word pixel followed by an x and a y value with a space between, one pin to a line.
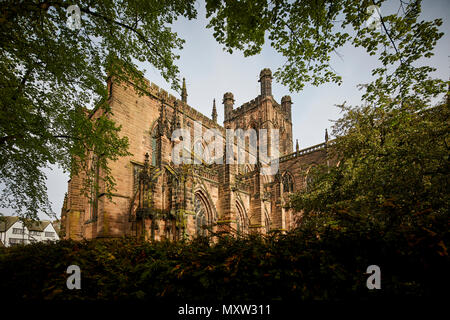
pixel 246 107
pixel 156 92
pixel 284 108
pixel 299 153
pixel 159 93
pixel 197 116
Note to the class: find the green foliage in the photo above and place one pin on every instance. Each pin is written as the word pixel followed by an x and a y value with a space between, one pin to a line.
pixel 49 74
pixel 389 161
pixel 392 180
pixel 307 33
pixel 305 264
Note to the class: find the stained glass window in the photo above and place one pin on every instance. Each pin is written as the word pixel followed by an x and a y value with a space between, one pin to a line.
pixel 288 184
pixel 200 216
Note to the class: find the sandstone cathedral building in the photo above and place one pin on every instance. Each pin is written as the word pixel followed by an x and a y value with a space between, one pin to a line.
pixel 157 199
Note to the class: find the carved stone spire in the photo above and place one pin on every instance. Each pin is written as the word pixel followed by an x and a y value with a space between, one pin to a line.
pixel 214 111
pixel 184 92
pixel 297 149
pixel 326 135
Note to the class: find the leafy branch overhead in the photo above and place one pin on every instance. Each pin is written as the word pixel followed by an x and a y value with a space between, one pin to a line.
pixel 309 33
pixel 390 155
pixel 50 75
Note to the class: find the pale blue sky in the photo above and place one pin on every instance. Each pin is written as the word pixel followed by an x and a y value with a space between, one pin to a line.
pixel 210 72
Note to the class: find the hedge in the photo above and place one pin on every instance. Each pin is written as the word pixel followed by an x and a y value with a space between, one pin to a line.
pixel 301 265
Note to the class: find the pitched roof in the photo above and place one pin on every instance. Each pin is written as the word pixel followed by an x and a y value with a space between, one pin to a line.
pixel 6 222
pixel 57 226
pixel 38 225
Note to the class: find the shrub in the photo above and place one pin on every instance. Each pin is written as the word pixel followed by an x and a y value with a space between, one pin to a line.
pixel 304 264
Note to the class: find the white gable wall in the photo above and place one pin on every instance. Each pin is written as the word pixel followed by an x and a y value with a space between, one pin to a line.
pixel 10 237
pixel 50 230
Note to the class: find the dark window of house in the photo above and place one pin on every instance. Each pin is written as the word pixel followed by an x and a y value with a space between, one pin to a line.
pixel 18 231
pixel 14 241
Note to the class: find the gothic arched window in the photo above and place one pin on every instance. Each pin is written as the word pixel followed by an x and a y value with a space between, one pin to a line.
pixel 310 178
pixel 201 216
pixel 238 225
pixel 288 183
pixel 201 151
pixel 241 222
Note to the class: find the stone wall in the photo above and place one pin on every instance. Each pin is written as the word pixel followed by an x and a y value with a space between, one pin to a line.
pixel 230 196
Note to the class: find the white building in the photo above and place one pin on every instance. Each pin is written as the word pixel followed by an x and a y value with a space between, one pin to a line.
pixel 15 231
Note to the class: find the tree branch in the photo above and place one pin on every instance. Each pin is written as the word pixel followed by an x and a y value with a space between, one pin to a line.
pixel 143 38
pixel 388 34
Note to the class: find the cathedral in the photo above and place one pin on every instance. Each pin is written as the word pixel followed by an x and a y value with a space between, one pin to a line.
pixel 158 198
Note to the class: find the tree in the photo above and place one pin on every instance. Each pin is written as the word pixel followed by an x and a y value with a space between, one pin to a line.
pixel 392 167
pixel 50 73
pixel 392 171
pixel 307 33
pixel 393 150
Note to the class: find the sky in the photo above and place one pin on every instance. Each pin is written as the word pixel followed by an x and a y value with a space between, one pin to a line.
pixel 210 72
